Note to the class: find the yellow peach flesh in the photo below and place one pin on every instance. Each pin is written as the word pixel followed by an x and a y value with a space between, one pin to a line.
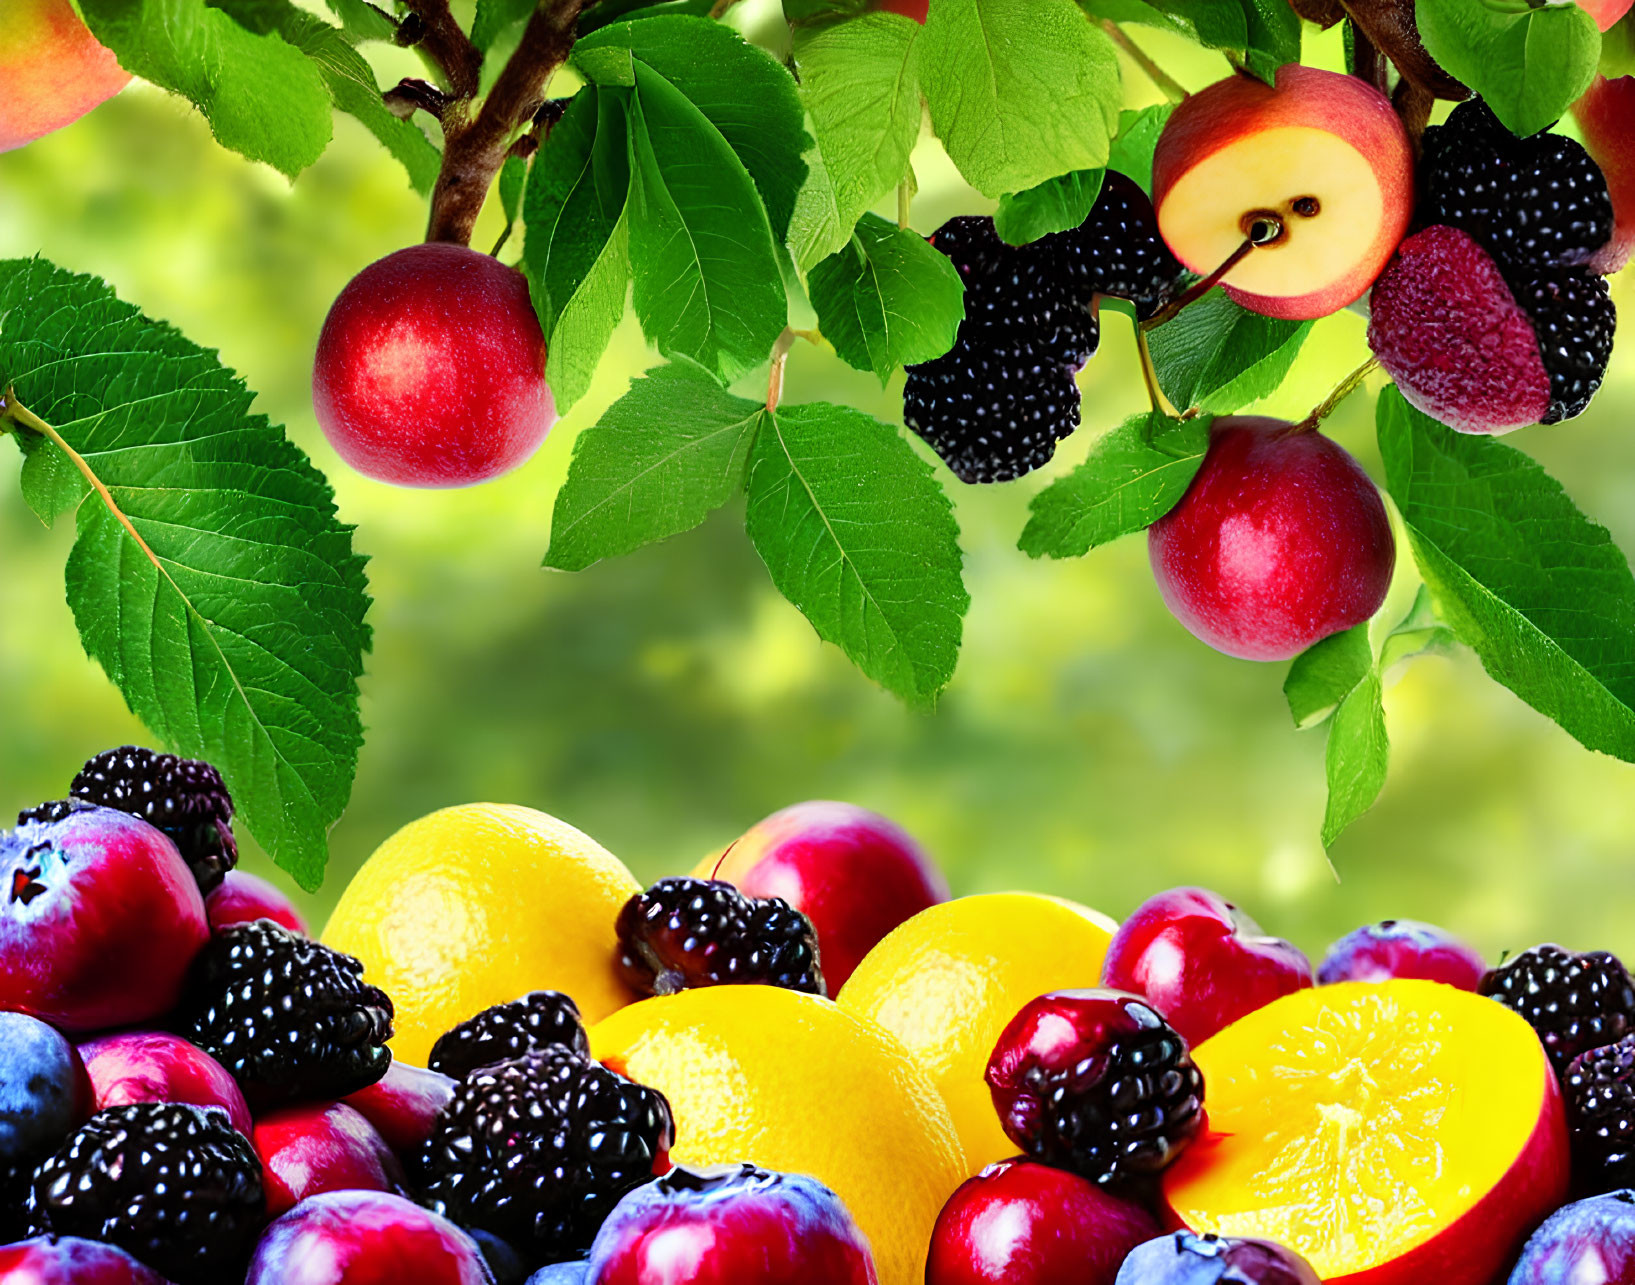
pixel 1201 214
pixel 1356 1123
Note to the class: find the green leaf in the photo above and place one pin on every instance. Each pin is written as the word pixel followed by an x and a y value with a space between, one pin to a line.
pixel 263 97
pixel 887 299
pixel 1274 36
pixel 235 628
pixel 512 182
pixel 1135 474
pixel 348 78
pixel 1420 633
pixel 740 89
pixel 1618 51
pixel 496 17
pixel 1218 25
pixel 661 460
pixel 1055 205
pixel 860 83
pixel 1019 90
pixel 707 284
pixel 1529 64
pixel 362 20
pixel 1357 757
pixel 576 254
pixel 859 535
pixel 1137 140
pixel 1220 357
pixel 1540 592
pixel 1326 673
pixel 607 11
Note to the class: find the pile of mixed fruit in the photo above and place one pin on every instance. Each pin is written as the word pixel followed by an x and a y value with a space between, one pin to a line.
pixel 1003 1087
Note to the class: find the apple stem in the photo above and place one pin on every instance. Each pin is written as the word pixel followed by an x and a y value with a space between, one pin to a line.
pixel 475 147
pixel 1199 289
pixel 780 357
pixel 1149 373
pixel 1350 384
pixel 1172 89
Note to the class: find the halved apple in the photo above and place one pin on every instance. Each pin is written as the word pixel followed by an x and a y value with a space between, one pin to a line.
pixel 1396 1133
pixel 1606 115
pixel 1318 170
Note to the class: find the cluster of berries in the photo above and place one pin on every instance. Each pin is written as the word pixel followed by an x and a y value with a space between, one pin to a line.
pixel 193 1091
pixel 1492 315
pixel 995 405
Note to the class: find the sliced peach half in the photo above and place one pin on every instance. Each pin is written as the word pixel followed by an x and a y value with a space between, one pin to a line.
pixel 1403 1133
pixel 1317 170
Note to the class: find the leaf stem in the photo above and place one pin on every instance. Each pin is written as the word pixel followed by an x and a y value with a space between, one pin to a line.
pixel 1149 373
pixel 14 410
pixel 1171 88
pixel 720 7
pixel 1350 384
pixel 1198 290
pixel 903 200
pixel 474 147
pixel 780 358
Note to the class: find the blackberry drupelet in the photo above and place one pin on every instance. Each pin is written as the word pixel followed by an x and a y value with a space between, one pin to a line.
pixel 182 797
pixel 175 1186
pixel 538 1150
pixel 506 1031
pixel 996 404
pixel 1599 1087
pixel 291 1019
pixel 685 933
pixel 1098 1083
pixel 1574 319
pixel 993 411
pixel 1531 202
pixel 1574 1002
pixel 52 812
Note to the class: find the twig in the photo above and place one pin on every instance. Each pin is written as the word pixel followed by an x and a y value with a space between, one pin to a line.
pixel 446 44
pixel 1171 88
pixel 780 357
pixel 1198 290
pixel 475 148
pixel 411 95
pixel 1350 384
pixel 1149 373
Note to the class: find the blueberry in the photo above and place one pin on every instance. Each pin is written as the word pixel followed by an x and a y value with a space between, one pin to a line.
pixel 44 1090
pixel 1588 1243
pixel 1185 1259
pixel 561 1274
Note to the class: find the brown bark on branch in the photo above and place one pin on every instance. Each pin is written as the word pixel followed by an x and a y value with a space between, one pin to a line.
pixel 445 42
pixel 474 147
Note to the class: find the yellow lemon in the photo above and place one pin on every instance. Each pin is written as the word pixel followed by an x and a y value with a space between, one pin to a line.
pixel 790 1082
pixel 947 981
pixel 479 904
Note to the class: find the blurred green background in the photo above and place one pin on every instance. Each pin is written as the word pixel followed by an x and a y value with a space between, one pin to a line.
pixel 1088 746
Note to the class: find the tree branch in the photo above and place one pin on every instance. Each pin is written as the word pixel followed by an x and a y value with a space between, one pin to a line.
pixel 445 42
pixel 474 148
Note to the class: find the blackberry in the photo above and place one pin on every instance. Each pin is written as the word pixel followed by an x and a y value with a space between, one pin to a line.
pixel 685 933
pixel 508 1031
pixel 538 1150
pixel 996 404
pixel 993 411
pixel 1600 1090
pixel 291 1019
pixel 1574 1002
pixel 1118 250
pixel 182 797
pixel 1096 1082
pixel 1574 319
pixel 175 1186
pixel 1530 202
